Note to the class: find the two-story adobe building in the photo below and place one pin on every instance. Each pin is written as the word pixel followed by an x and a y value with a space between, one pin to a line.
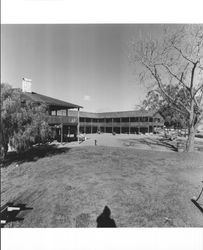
pixel 67 121
pixel 130 122
pixel 64 126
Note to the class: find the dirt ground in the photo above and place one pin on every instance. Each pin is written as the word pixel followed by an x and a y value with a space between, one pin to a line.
pixel 142 186
pixel 146 142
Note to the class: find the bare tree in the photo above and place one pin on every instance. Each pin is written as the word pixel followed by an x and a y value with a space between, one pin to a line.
pixel 175 59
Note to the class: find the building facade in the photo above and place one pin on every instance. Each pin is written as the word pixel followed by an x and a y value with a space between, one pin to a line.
pixel 128 122
pixel 67 121
pixel 64 126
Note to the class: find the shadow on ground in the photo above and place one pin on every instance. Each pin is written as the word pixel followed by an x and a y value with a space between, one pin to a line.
pixel 33 154
pixel 156 142
pixel 198 205
pixel 172 145
pixel 104 219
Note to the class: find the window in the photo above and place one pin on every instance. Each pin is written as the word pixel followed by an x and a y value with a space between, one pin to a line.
pixel 61 112
pixel 82 119
pixel 157 119
pixel 134 119
pixel 88 119
pixel 53 112
pixel 108 120
pixel 125 119
pixel 144 119
pixel 116 119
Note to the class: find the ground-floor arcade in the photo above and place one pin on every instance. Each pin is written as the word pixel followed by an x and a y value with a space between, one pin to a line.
pixel 64 132
pixel 118 130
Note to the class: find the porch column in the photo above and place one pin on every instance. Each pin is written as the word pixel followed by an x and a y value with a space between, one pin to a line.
pixel 78 127
pixel 148 124
pixel 129 125
pixel 61 132
pixel 91 124
pixel 120 126
pixel 104 125
pixel 85 125
pixel 152 125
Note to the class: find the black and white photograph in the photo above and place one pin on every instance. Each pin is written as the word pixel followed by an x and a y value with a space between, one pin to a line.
pixel 101 127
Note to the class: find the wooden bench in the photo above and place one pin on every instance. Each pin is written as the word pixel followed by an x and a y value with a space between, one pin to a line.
pixel 5 209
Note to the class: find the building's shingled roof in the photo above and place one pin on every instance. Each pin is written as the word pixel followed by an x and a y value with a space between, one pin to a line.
pixel 38 98
pixel 133 113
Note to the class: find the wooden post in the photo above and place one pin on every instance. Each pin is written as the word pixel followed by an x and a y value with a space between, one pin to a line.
pixel 148 123
pixel 91 125
pixel 61 132
pixel 152 125
pixel 104 125
pixel 68 133
pixel 129 125
pixel 85 125
pixel 78 126
pixel 120 126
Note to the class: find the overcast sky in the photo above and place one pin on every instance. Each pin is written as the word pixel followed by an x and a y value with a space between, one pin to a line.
pixel 83 64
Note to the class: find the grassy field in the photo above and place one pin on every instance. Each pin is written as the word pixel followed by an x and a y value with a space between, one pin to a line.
pixel 69 187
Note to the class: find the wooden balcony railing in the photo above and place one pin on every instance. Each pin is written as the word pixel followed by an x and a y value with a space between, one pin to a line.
pixel 53 119
pixel 122 124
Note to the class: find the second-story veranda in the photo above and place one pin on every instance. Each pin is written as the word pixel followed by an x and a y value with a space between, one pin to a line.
pixel 135 121
pixel 63 124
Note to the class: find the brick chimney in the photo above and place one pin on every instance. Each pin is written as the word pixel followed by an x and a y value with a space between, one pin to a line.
pixel 27 85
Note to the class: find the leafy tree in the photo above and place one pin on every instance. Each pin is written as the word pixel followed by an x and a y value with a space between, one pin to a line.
pixel 23 123
pixel 175 59
pixel 155 101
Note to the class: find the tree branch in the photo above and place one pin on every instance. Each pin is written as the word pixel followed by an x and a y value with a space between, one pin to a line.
pixel 178 110
pixel 192 76
pixel 201 96
pixel 198 120
pixel 199 88
pixel 180 51
pixel 168 96
pixel 175 76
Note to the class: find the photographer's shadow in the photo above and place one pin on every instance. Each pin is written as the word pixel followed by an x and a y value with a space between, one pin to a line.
pixel 104 219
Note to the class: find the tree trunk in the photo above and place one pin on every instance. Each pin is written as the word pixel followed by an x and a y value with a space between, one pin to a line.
pixel 191 131
pixel 191 139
